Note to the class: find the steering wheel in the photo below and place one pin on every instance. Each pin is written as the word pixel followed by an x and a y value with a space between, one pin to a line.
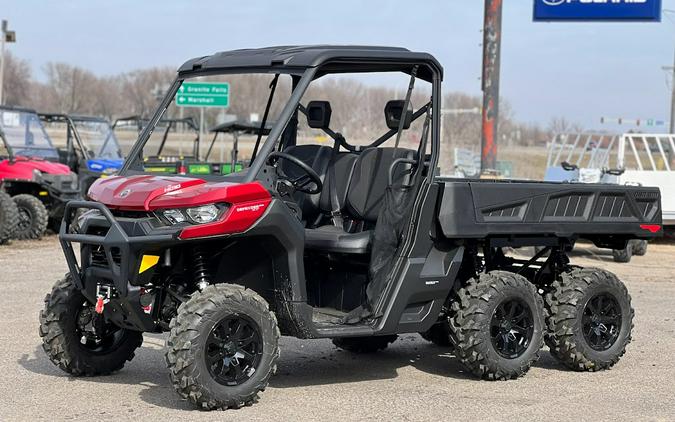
pixel 301 183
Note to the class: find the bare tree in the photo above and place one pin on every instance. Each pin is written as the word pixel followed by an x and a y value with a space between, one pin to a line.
pixel 17 84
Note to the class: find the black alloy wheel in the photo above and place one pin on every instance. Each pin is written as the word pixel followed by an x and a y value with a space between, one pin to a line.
pixel 233 350
pixel 96 335
pixel 25 218
pixel 601 321
pixel 511 328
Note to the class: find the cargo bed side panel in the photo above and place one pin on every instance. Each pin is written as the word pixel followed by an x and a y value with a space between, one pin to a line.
pixel 481 208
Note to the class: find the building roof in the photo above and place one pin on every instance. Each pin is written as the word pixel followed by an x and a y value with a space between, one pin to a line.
pixel 296 59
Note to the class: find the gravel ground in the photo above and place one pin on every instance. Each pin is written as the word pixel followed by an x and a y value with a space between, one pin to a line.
pixel 412 380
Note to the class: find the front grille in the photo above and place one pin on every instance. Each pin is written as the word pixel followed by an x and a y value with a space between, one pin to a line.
pixel 98 258
pixel 130 214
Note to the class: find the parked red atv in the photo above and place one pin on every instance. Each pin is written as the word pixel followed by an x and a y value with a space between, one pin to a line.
pixel 31 174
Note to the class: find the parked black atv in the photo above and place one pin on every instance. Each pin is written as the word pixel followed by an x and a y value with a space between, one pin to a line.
pixel 352 241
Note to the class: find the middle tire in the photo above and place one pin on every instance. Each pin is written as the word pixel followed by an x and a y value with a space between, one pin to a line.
pixel 498 325
pixel 223 347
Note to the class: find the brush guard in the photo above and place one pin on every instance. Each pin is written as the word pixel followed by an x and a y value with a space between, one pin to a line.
pixel 115 241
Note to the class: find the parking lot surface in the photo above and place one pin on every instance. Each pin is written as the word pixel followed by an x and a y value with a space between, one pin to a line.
pixel 412 380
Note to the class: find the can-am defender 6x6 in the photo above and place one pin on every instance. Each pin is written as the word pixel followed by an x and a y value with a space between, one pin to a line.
pixel 357 241
pixel 31 173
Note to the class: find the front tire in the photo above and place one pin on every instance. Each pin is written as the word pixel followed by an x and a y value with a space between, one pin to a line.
pixel 71 342
pixel 498 325
pixel 589 319
pixel 33 217
pixel 223 347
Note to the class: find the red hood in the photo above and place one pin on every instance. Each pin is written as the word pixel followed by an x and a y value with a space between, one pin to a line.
pixel 22 168
pixel 149 192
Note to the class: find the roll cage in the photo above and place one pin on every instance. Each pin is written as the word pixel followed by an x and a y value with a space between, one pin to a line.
pixel 304 65
pixel 11 148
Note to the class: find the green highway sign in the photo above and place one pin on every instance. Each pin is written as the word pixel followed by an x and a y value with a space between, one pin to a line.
pixel 203 94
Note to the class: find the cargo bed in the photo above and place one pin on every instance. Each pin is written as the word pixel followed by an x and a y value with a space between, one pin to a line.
pixel 598 212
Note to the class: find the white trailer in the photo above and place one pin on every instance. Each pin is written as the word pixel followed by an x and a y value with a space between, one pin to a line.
pixel 649 160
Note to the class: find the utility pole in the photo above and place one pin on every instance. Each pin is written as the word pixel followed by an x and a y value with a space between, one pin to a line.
pixel 492 38
pixel 5 36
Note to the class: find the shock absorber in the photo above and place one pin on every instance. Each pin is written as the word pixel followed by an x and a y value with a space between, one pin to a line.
pixel 201 276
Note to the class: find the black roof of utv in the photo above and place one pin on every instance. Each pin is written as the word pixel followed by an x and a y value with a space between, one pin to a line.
pixel 295 59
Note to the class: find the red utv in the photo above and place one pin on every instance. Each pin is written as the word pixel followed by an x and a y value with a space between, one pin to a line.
pixel 357 240
pixel 31 173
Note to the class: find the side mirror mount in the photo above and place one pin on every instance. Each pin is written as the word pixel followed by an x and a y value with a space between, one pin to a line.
pixel 393 112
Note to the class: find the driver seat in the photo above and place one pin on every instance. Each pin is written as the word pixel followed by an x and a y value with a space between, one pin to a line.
pixel 365 194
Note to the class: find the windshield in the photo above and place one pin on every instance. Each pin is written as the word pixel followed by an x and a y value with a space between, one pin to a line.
pixel 25 136
pixel 207 103
pixel 99 138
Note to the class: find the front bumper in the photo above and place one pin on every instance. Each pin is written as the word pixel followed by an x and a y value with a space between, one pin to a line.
pixel 110 255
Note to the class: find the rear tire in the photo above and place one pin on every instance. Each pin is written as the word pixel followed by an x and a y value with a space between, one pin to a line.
pixel 623 255
pixel 33 217
pixel 223 347
pixel 498 323
pixel 364 344
pixel 640 247
pixel 71 346
pixel 580 337
pixel 9 218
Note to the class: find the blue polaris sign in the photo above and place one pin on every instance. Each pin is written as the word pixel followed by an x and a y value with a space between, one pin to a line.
pixel 597 10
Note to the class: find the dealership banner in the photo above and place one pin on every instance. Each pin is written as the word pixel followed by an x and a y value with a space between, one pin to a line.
pixel 597 10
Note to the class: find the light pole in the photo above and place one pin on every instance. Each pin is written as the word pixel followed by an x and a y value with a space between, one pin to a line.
pixel 5 36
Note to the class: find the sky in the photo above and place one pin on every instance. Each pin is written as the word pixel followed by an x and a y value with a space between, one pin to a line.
pixel 580 71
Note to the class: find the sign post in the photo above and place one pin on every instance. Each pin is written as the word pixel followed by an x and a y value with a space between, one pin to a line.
pixel 203 94
pixel 492 39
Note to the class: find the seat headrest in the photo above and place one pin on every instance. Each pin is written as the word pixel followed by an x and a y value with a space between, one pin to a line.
pixel 318 114
pixel 393 111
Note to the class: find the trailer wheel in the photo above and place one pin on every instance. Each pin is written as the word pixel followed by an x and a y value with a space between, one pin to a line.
pixel 71 341
pixel 33 217
pixel 439 334
pixel 589 319
pixel 223 347
pixel 364 344
pixel 9 217
pixel 623 255
pixel 498 323
pixel 640 247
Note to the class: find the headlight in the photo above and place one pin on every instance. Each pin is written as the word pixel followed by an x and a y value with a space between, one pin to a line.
pixel 174 216
pixel 196 215
pixel 203 214
pixel 37 175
